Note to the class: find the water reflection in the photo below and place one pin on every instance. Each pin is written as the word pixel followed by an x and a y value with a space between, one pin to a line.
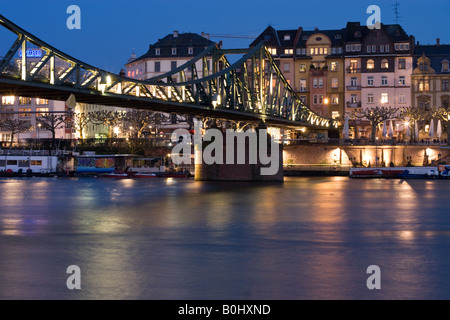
pixel 307 238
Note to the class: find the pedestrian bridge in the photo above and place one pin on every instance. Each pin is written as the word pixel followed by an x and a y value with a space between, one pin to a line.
pixel 252 89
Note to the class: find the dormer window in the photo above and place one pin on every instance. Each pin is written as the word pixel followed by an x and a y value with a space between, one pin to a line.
pixel 190 50
pixel 357 34
pixel 287 37
pixel 157 52
pixel 338 36
pixel 305 38
pixel 174 51
pixel 445 66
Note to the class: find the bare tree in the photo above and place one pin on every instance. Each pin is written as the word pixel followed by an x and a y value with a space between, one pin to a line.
pixel 79 120
pixel 14 126
pixel 442 114
pixel 140 120
pixel 413 115
pixel 52 122
pixel 107 117
pixel 375 116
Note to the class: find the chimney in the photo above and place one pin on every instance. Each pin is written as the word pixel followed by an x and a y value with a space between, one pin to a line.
pixel 175 34
pixel 438 42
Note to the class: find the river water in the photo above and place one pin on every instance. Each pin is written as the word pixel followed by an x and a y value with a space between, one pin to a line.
pixel 306 238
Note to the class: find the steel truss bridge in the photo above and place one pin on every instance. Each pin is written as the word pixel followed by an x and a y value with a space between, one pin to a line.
pixel 251 90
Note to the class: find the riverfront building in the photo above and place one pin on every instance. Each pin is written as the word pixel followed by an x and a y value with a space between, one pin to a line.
pixel 431 76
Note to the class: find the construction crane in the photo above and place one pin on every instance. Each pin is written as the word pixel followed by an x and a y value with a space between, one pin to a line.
pixel 232 36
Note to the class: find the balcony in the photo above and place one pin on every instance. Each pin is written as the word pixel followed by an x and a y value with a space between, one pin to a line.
pixel 353 88
pixel 353 70
pixel 354 104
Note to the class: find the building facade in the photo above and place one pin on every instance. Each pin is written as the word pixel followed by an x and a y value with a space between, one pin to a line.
pixel 168 54
pixel 431 76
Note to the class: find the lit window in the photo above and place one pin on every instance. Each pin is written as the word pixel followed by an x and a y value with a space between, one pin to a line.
pixel 36 162
pixel 334 83
pixel 384 64
pixel 25 113
pixel 384 98
pixel 303 85
pixel 40 101
pixel 24 100
pixel 288 51
pixel 302 67
pixel 335 114
pixel 334 99
pixel 334 66
pixel 402 63
pixel 370 64
pixel 272 51
pixel 8 100
pixel 42 112
pixel 402 80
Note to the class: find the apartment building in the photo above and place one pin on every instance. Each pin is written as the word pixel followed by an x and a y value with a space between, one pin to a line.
pixel 431 76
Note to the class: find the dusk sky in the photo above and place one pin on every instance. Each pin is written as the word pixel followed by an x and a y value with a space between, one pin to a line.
pixel 111 30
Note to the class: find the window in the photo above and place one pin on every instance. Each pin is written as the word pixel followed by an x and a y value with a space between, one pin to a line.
pixel 370 98
pixel 334 83
pixel 384 98
pixel 286 67
pixel 40 101
pixel 272 51
pixel 25 113
pixel 370 64
pixel 445 102
pixel 287 37
pixel 445 66
pixel 315 82
pixel 445 86
pixel 190 50
pixel 374 48
pixel 303 99
pixel 157 52
pixel 334 99
pixel 302 67
pixel 174 51
pixel 402 81
pixel 335 114
pixel 382 48
pixel 353 98
pixel 24 100
pixel 370 81
pixel 173 65
pixel 304 51
pixel 402 63
pixel 384 81
pixel 41 112
pixel 334 66
pixel 7 100
pixel 386 47
pixel 288 51
pixel 36 162
pixel 24 163
pixel 318 99
pixel 402 98
pixel 320 82
pixel 353 82
pixel 384 64
pixel 369 48
pixel 11 162
pixel 157 66
pixel 303 85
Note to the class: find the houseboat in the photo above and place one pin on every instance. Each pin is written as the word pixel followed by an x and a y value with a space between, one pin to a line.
pixel 31 162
